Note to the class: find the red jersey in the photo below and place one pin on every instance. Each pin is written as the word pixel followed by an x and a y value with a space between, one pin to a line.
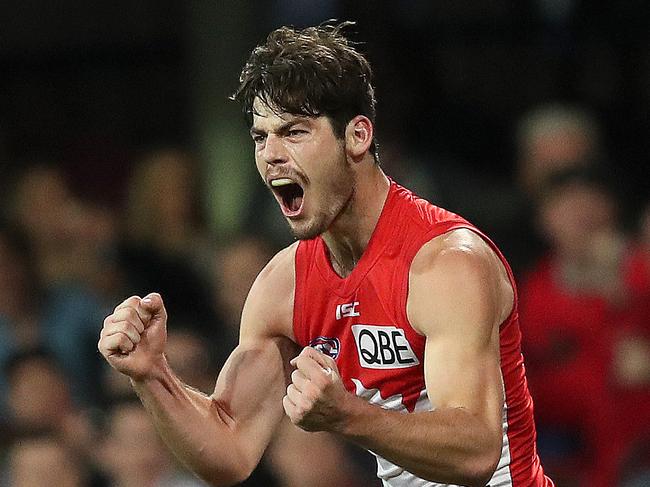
pixel 361 322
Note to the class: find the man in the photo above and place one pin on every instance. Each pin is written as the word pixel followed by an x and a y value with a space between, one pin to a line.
pixel 385 301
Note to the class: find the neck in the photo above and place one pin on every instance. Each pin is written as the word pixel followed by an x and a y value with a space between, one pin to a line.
pixel 348 237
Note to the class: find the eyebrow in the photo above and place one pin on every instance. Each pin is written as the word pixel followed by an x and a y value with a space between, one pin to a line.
pixel 282 129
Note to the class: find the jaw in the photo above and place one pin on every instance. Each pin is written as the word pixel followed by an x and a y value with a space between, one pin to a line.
pixel 332 215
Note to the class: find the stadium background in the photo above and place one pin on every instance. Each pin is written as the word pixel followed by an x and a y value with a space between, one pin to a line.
pixel 124 168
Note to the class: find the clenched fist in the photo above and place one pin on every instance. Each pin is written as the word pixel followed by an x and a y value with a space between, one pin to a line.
pixel 316 397
pixel 133 337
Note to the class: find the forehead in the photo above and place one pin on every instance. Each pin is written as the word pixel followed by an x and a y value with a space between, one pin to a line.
pixel 268 118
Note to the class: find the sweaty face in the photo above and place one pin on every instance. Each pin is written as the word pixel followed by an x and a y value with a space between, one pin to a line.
pixel 304 165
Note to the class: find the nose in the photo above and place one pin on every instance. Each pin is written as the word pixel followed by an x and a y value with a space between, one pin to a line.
pixel 274 151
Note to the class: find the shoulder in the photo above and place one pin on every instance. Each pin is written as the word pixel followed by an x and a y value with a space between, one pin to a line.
pixel 458 247
pixel 280 269
pixel 458 274
pixel 269 306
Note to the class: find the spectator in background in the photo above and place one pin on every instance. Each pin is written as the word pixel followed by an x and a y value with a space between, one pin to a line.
pixel 38 395
pixel 66 234
pixel 236 266
pixel 61 315
pixel 630 374
pixel 133 455
pixel 166 244
pixel 20 301
pixel 39 399
pixel 38 460
pixel 62 257
pixel 552 138
pixel 291 456
pixel 549 139
pixel 164 206
pixel 576 306
pixel 190 354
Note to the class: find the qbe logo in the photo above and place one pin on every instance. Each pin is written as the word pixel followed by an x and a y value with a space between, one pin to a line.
pixel 383 347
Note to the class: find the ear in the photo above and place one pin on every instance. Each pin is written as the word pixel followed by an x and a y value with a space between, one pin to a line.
pixel 358 137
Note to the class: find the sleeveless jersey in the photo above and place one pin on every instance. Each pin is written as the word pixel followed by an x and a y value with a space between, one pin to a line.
pixel 361 322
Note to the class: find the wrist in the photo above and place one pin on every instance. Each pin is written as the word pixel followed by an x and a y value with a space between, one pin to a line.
pixel 352 414
pixel 158 371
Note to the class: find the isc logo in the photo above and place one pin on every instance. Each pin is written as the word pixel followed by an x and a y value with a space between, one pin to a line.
pixel 383 347
pixel 347 310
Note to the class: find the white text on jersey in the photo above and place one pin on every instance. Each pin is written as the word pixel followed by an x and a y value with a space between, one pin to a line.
pixel 347 310
pixel 383 347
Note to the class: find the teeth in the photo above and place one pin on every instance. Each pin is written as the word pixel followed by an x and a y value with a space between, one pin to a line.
pixel 281 182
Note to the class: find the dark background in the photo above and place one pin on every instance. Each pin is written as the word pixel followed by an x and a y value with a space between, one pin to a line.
pixel 94 83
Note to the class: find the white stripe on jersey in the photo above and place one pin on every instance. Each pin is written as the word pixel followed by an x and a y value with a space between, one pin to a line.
pixel 393 475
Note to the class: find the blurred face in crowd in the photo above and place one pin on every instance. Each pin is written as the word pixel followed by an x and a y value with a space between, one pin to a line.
pixel 554 151
pixel 133 453
pixel 304 165
pixel 38 395
pixel 162 195
pixel 574 216
pixel 169 174
pixel 42 200
pixel 43 461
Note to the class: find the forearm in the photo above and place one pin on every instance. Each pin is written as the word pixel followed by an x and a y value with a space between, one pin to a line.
pixel 449 445
pixel 197 429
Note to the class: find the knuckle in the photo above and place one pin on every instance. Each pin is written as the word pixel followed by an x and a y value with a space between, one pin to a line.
pixel 306 401
pixel 319 382
pixel 132 314
pixel 127 344
pixel 133 300
pixel 130 330
pixel 306 352
pixel 124 339
pixel 122 326
pixel 312 395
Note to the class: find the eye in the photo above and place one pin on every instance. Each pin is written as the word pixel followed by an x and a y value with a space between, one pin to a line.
pixel 296 132
pixel 258 138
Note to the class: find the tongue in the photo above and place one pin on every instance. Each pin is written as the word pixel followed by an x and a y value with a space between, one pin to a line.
pixel 295 202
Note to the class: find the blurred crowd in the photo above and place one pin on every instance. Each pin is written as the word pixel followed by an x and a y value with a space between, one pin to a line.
pixel 65 260
pixel 67 419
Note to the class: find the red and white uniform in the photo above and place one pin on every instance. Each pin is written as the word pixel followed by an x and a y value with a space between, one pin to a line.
pixel 361 321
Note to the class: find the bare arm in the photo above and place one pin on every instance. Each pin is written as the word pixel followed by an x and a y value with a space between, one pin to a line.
pixel 221 437
pixel 459 294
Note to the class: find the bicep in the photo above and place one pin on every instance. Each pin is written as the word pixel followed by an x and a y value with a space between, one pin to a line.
pixel 462 374
pixel 253 381
pixel 459 295
pixel 250 388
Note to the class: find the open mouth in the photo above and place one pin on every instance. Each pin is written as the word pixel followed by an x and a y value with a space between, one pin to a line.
pixel 289 194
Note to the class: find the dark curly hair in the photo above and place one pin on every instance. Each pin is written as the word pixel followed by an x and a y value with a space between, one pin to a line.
pixel 313 71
